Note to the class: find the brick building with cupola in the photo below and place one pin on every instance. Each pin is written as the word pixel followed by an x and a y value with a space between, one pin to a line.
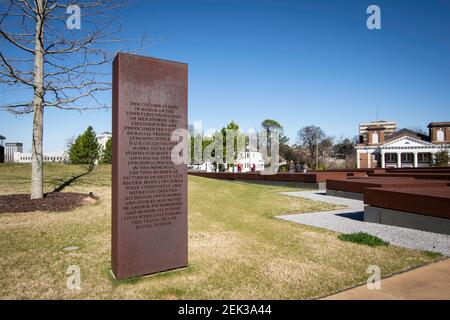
pixel 381 146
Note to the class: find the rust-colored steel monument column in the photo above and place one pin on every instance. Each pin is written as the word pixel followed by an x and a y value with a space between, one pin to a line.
pixel 149 191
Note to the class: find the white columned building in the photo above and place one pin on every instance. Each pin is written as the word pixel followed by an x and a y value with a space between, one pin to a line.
pixel 402 149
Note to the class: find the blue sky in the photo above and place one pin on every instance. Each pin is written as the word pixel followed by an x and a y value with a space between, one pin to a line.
pixel 298 62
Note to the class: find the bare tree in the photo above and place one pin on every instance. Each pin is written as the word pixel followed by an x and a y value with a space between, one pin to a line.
pixel 55 62
pixel 310 138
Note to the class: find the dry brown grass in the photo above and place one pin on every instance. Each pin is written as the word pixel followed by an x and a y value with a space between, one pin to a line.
pixel 237 250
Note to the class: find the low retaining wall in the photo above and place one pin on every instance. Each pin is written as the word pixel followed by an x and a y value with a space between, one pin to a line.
pixel 425 201
pixel 294 184
pixel 358 185
pixel 309 180
pixel 419 170
pixel 345 194
pixel 414 175
pixel 318 178
pixel 406 220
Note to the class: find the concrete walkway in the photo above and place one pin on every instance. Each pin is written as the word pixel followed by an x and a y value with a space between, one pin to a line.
pixel 431 282
pixel 352 220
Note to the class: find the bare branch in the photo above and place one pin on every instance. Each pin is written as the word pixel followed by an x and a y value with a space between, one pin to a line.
pixel 18 108
pixel 14 42
pixel 75 61
pixel 14 73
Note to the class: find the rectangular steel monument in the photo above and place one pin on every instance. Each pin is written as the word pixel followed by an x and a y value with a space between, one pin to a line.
pixel 149 191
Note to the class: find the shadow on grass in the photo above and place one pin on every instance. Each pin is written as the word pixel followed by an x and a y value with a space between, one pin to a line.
pixel 115 282
pixel 65 184
pixel 158 275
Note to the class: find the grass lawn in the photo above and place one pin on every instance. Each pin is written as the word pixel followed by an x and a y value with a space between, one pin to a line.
pixel 237 249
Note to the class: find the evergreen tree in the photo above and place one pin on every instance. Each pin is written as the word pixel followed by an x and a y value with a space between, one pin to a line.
pixel 107 152
pixel 85 149
pixel 234 127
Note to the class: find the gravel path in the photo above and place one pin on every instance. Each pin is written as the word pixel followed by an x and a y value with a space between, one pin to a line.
pixel 352 220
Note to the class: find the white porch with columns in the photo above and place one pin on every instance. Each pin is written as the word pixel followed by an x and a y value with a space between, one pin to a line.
pixel 402 145
pixel 399 159
pixel 416 159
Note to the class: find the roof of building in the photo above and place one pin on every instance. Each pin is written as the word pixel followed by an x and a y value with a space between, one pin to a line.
pixel 105 133
pixel 14 144
pixel 439 124
pixel 389 123
pixel 409 133
pixel 376 127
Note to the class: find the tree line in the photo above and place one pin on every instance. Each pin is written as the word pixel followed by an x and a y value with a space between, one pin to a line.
pixel 313 148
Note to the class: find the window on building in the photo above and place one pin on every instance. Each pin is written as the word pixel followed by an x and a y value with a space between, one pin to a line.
pixel 391 158
pixel 424 157
pixel 375 138
pixel 440 136
pixel 361 139
pixel 407 157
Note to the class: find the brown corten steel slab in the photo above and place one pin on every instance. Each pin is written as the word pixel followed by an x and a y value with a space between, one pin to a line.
pixel 420 170
pixel 285 177
pixel 247 176
pixel 415 175
pixel 315 177
pixel 358 185
pixel 425 201
pixel 149 192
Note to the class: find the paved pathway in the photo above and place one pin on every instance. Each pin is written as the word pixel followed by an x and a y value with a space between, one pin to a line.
pixel 428 282
pixel 352 220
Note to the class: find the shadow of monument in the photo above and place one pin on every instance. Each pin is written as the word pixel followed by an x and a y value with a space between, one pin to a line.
pixel 67 183
pixel 358 216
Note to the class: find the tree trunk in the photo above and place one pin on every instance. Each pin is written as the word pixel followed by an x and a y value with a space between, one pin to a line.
pixel 38 105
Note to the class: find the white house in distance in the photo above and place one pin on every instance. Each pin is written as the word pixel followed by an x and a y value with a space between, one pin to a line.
pixel 103 139
pixel 14 152
pixel 402 149
pixel 246 159
pixel 25 157
pixel 249 158
pixel 204 167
